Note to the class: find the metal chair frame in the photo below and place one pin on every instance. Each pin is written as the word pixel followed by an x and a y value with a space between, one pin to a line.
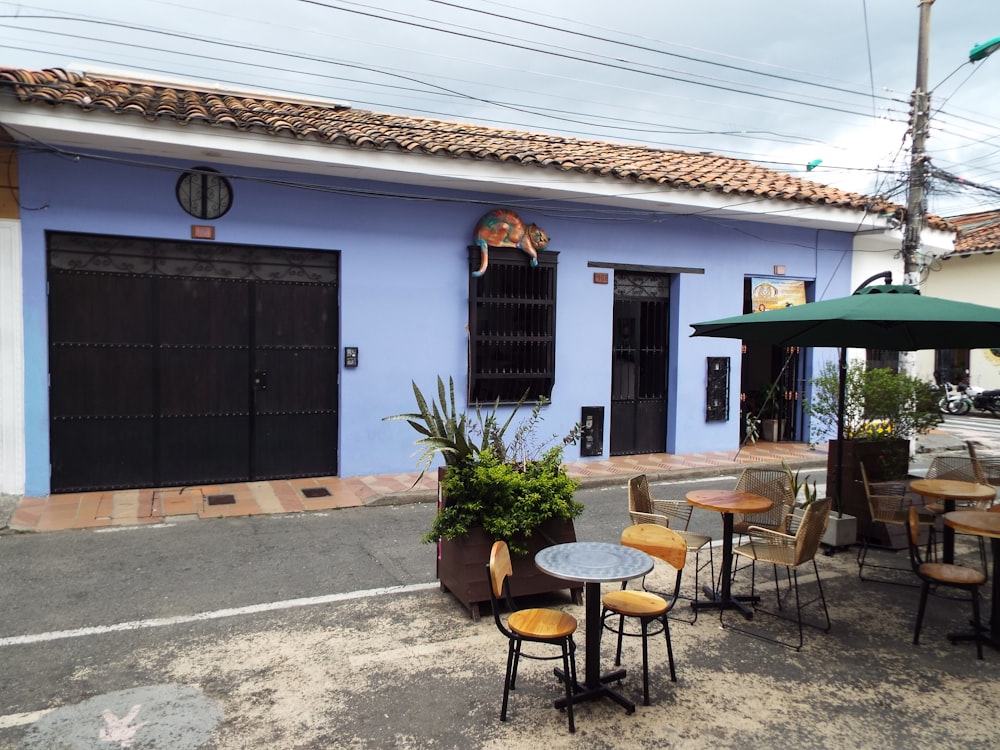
pixel 675 515
pixel 963 469
pixel 498 571
pixel 669 547
pixel 889 503
pixel 988 464
pixel 936 575
pixel 790 551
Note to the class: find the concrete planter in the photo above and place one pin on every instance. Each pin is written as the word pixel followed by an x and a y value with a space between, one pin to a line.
pixel 772 430
pixel 841 531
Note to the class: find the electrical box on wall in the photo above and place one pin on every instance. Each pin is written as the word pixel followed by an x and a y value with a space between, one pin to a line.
pixel 592 435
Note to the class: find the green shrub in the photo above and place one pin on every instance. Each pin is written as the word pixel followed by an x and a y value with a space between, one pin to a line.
pixel 508 501
pixel 878 404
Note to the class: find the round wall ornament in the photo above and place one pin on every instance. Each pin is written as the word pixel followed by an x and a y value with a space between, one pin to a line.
pixel 204 193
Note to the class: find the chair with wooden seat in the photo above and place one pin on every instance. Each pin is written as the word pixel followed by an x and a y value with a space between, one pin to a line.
pixel 790 551
pixel 543 626
pixel 669 547
pixel 889 503
pixel 675 514
pixel 934 575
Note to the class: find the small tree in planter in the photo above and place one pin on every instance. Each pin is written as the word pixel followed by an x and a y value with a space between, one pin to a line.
pixel 492 488
pixel 883 411
pixel 841 529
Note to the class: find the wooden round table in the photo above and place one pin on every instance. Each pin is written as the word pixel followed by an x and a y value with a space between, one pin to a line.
pixel 981 523
pixel 726 502
pixel 948 491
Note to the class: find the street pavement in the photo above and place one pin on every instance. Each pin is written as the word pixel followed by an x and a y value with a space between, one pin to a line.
pixel 328 630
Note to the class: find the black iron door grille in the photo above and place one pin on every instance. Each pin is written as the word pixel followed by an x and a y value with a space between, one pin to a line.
pixel 183 363
pixel 639 363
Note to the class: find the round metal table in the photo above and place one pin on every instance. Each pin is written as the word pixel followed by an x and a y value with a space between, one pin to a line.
pixel 594 563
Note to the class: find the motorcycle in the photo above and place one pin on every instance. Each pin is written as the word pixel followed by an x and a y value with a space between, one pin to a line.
pixel 955 400
pixel 961 399
pixel 988 401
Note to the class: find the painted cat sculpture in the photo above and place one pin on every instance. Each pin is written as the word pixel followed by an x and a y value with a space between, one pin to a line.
pixel 502 228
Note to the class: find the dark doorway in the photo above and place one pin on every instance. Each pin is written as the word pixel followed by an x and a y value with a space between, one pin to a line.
pixel 951 366
pixel 639 363
pixel 772 390
pixel 177 363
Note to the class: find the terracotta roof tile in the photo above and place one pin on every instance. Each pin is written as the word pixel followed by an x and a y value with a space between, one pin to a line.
pixel 977 233
pixel 373 130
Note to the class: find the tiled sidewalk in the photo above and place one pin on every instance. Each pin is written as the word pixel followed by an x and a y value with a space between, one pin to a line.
pixel 133 507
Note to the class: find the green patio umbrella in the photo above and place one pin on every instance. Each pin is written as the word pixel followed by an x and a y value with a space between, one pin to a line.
pixel 891 317
pixel 894 317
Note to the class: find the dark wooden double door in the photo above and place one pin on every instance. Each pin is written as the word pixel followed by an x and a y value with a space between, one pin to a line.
pixel 172 368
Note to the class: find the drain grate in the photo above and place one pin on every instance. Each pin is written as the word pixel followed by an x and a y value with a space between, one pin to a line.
pixel 221 499
pixel 316 492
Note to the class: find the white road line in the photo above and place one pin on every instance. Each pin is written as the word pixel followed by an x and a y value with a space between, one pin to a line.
pixel 139 527
pixel 19 720
pixel 160 622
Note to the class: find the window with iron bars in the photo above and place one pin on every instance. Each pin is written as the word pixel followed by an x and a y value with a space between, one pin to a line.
pixel 512 327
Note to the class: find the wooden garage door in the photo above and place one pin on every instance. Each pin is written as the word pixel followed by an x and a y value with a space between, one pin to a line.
pixel 178 363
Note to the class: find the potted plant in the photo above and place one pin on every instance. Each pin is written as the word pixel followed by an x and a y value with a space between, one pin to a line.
pixel 772 427
pixel 883 411
pixel 493 488
pixel 841 529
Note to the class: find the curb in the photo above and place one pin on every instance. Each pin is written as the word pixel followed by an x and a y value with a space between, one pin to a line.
pixel 429 496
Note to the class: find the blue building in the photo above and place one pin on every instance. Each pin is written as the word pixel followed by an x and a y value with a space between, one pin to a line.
pixel 202 285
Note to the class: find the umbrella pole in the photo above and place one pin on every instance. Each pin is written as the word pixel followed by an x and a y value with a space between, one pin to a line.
pixel 841 397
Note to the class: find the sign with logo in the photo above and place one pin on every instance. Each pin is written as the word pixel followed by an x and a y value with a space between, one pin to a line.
pixel 772 294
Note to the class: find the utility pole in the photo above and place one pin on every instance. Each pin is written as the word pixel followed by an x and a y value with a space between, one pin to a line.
pixel 916 203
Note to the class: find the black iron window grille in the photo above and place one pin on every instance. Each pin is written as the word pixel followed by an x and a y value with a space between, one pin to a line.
pixel 512 326
pixel 717 390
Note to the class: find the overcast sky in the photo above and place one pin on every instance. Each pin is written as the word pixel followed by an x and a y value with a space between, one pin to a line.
pixel 781 82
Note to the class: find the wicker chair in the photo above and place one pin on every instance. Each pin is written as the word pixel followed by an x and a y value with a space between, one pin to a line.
pixel 934 575
pixel 790 552
pixel 676 515
pixel 962 469
pixel 889 503
pixel 770 483
pixel 670 548
pixel 959 468
pixel 989 464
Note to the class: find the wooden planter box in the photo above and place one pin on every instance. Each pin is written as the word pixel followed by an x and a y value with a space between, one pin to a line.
pixel 461 567
pixel 884 460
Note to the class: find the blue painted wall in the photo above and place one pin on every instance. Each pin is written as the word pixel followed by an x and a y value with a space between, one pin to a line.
pixel 404 287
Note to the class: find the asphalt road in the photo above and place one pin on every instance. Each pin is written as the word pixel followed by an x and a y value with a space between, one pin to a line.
pixel 96 623
pixel 79 605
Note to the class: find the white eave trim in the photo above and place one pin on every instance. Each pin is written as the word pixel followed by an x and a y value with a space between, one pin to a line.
pixel 220 145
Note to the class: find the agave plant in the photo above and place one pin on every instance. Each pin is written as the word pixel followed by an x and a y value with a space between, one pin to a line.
pixel 448 431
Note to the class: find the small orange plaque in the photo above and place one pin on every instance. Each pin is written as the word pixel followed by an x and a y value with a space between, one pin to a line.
pixel 202 232
pixel 600 278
